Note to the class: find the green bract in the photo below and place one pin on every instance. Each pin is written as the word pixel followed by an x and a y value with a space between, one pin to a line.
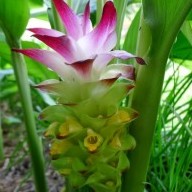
pixel 90 140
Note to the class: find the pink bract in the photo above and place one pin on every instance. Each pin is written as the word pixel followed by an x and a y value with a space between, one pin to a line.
pixel 70 52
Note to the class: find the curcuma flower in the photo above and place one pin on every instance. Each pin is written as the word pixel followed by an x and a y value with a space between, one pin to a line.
pixel 88 131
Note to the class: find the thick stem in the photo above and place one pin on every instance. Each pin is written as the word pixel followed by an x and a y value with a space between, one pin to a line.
pixel 146 98
pixel 32 137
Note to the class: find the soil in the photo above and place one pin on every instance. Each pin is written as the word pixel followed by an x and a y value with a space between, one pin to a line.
pixel 15 168
pixel 15 180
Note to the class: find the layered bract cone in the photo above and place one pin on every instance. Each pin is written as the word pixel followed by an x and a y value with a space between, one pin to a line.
pixel 88 126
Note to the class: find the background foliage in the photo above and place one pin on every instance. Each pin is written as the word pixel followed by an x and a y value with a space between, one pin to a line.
pixel 170 167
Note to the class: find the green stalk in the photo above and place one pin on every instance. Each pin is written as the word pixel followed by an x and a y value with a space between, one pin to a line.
pixel 146 98
pixel 32 137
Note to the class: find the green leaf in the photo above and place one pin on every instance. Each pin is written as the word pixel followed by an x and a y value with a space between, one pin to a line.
pixel 14 17
pixel 187 30
pixel 182 49
pixel 7 89
pixel 132 34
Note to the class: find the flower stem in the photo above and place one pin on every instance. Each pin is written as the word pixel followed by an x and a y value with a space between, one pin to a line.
pixel 32 137
pixel 146 99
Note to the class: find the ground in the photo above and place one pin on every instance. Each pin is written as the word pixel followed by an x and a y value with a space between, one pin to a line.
pixel 15 168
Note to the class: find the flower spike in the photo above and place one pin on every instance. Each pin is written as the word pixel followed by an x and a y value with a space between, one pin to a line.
pixel 88 125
